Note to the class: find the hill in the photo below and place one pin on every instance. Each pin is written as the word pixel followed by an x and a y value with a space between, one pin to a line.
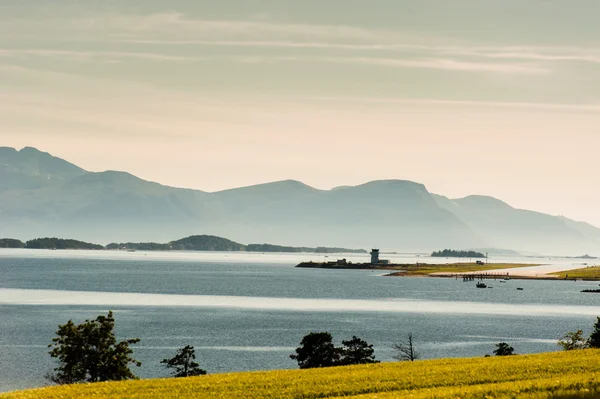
pixel 206 243
pixel 318 250
pixel 450 253
pixel 41 195
pixel 574 374
pixel 30 168
pixel 11 243
pixel 59 243
pixel 213 243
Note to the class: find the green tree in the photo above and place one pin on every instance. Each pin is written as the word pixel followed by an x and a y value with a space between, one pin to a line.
pixel 405 350
pixel 573 341
pixel 183 364
pixel 89 352
pixel 316 350
pixel 594 340
pixel 503 349
pixel 356 351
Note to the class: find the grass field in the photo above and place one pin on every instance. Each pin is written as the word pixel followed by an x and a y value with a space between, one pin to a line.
pixel 425 269
pixel 589 273
pixel 573 374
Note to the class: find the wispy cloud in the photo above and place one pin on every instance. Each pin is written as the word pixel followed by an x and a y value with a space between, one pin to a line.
pixel 175 24
pixel 178 29
pixel 94 55
pixel 439 64
pixel 590 55
pixel 423 63
pixel 565 107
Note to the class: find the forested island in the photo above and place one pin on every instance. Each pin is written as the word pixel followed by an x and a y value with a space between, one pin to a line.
pixel 214 243
pixel 191 243
pixel 450 253
pixel 11 243
pixel 59 243
pixel 318 250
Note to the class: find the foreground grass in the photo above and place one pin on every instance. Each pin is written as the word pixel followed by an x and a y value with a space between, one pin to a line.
pixel 589 273
pixel 425 269
pixel 573 374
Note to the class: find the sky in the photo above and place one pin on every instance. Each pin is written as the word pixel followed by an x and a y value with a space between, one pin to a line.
pixel 497 97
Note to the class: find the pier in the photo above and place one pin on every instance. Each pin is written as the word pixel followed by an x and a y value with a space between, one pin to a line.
pixel 481 276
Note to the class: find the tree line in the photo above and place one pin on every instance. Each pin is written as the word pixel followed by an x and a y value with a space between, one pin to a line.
pixel 451 253
pixel 191 243
pixel 90 352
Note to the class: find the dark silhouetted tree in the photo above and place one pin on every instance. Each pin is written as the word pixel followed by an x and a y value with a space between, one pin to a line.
pixel 183 364
pixel 89 352
pixel 405 350
pixel 573 341
pixel 356 351
pixel 316 350
pixel 503 349
pixel 594 340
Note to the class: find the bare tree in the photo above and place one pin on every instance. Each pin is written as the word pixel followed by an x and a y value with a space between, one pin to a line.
pixel 405 350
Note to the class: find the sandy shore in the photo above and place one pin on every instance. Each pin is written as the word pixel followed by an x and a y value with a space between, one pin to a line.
pixel 531 272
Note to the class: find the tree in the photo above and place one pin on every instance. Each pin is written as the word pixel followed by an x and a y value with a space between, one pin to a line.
pixel 316 350
pixel 594 340
pixel 356 351
pixel 405 350
pixel 503 349
pixel 89 352
pixel 183 363
pixel 573 341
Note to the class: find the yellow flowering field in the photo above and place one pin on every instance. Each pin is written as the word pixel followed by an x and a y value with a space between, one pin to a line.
pixel 574 374
pixel 591 273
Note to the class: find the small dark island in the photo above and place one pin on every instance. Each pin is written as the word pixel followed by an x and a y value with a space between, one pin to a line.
pixel 318 250
pixel 214 243
pixel 59 243
pixel 450 253
pixel 11 243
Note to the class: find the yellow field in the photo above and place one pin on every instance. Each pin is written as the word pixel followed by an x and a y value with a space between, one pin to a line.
pixel 592 273
pixel 573 374
pixel 425 269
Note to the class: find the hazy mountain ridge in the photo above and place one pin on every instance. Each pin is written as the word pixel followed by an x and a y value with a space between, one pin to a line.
pixel 42 195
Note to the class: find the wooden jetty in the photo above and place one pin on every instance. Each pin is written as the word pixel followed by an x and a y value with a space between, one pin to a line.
pixel 481 276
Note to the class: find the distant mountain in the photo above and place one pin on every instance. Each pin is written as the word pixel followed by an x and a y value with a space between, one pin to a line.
pixel 41 195
pixel 33 169
pixel 503 226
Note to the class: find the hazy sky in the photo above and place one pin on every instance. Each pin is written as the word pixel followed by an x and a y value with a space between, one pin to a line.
pixel 498 97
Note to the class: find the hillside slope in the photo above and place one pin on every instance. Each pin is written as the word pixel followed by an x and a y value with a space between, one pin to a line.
pixel 41 195
pixel 506 227
pixel 574 374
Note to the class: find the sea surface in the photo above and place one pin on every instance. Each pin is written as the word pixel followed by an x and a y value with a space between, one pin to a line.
pixel 249 311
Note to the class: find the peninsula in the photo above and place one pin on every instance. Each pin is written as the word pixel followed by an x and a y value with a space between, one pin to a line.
pixel 413 269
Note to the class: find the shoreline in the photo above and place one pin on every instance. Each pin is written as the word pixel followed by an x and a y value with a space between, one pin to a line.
pixel 459 270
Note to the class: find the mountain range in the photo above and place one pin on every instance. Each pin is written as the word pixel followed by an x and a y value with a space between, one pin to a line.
pixel 42 195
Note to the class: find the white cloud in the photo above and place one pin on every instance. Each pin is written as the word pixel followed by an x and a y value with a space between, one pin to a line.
pixel 94 55
pixel 552 107
pixel 591 55
pixel 424 63
pixel 174 24
pixel 440 64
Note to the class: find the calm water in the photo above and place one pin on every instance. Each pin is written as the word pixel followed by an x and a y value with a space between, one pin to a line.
pixel 249 311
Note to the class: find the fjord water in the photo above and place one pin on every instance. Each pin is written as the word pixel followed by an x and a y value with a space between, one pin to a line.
pixel 249 311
